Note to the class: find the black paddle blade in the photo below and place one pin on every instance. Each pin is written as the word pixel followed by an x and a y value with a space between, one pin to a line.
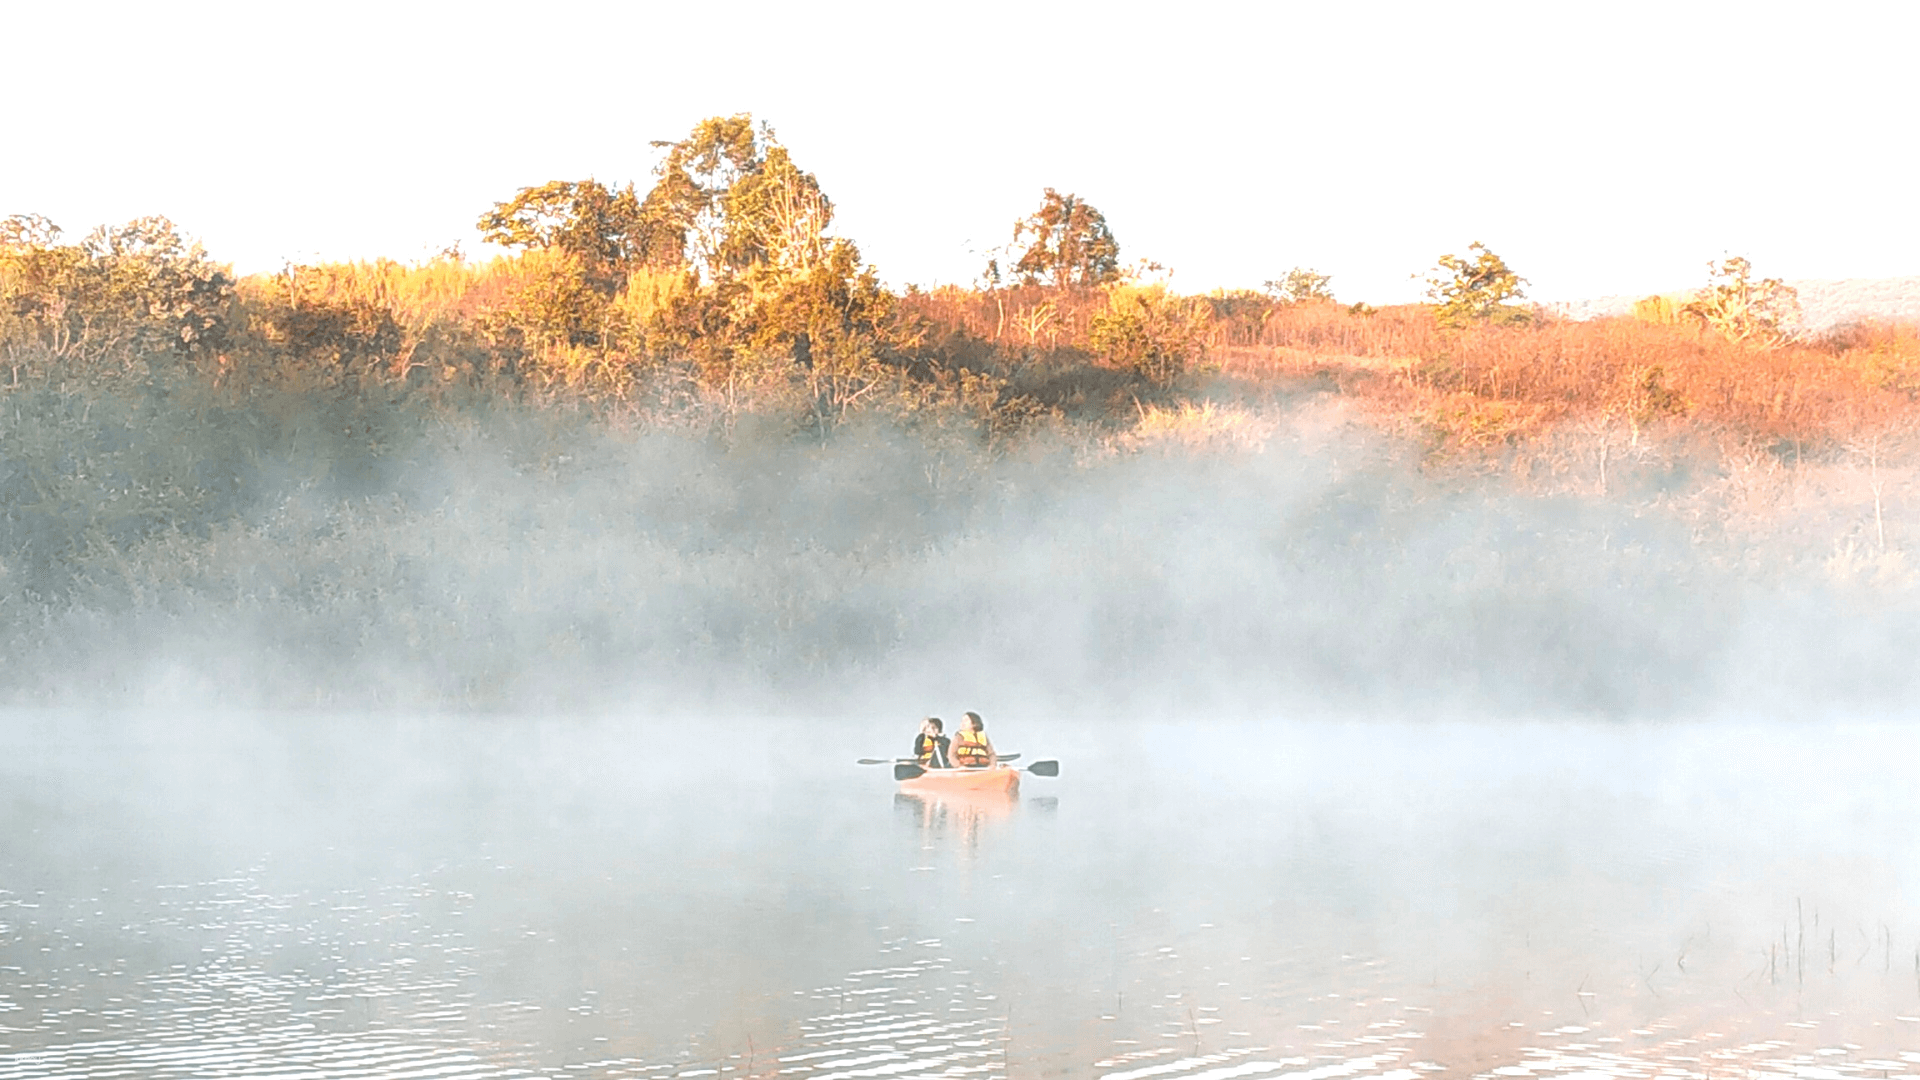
pixel 907 770
pixel 1044 768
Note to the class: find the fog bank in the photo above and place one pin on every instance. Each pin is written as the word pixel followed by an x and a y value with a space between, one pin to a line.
pixel 533 561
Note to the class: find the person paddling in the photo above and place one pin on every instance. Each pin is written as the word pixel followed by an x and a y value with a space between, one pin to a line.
pixel 930 746
pixel 971 747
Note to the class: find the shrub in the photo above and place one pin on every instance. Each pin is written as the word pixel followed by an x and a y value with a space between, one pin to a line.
pixel 1739 308
pixel 1477 289
pixel 123 296
pixel 1300 285
pixel 1148 331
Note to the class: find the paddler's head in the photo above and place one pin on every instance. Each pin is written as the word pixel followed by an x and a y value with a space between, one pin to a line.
pixel 931 725
pixel 974 723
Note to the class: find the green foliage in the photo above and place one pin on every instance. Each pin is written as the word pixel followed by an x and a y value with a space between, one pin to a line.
pixel 776 216
pixel 725 263
pixel 1149 332
pixel 351 328
pixel 1065 242
pixel 321 335
pixel 556 305
pixel 839 324
pixel 728 198
pixel 133 291
pixel 1740 308
pixel 93 472
pixel 774 297
pixel 583 239
pixel 717 293
pixel 598 227
pixel 823 333
pixel 1300 285
pixel 1477 289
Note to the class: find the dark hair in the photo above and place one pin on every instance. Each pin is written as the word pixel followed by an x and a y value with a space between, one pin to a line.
pixel 977 722
pixel 937 725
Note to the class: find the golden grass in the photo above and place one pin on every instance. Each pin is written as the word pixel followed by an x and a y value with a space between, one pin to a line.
pixel 414 293
pixel 1489 386
pixel 1202 425
pixel 1484 386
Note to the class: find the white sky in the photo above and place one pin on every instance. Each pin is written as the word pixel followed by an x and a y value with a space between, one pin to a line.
pixel 1600 147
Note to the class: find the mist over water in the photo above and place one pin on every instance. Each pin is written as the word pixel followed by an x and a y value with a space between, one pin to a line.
pixel 501 743
pixel 516 896
pixel 530 561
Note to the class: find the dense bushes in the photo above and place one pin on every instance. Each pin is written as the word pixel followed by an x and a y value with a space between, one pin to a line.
pixel 720 291
pixel 684 437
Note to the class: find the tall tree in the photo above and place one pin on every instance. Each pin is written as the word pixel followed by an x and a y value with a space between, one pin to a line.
pixel 728 198
pixel 773 295
pixel 1066 242
pixel 599 226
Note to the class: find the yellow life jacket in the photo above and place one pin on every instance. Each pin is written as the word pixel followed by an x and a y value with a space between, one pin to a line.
pixel 970 748
pixel 925 746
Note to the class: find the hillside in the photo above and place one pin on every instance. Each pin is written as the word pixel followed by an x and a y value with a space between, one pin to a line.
pixel 1823 303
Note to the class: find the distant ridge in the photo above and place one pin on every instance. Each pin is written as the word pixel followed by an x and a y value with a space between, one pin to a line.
pixel 1823 303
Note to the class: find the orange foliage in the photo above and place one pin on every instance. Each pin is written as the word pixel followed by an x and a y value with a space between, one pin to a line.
pixel 1486 384
pixel 1626 369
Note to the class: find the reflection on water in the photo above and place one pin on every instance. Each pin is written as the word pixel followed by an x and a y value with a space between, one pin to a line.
pixel 957 816
pixel 1379 902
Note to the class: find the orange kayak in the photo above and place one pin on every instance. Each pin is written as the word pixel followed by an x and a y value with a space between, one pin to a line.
pixel 972 781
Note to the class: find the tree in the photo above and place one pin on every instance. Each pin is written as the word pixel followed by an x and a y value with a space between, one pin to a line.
pixel 728 198
pixel 585 219
pixel 1475 289
pixel 725 263
pixel 183 292
pixel 770 294
pixel 1742 309
pixel 131 291
pixel 27 231
pixel 836 321
pixel 1300 285
pixel 582 239
pixel 41 279
pixel 323 330
pixel 1067 242
pixel 777 216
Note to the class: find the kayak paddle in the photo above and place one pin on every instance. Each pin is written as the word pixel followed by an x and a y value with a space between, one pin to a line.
pixel 907 770
pixel 909 761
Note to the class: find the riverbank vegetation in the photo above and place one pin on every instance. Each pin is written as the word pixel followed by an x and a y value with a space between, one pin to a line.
pixel 720 290
pixel 701 367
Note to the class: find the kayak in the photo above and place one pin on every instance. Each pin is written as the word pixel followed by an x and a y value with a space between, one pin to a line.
pixel 998 779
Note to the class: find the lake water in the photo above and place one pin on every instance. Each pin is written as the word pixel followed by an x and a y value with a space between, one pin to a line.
pixel 465 897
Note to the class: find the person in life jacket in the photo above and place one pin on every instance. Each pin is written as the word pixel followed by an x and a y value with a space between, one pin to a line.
pixel 930 746
pixel 971 747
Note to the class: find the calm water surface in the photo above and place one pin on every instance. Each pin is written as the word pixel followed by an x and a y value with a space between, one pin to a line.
pixel 477 897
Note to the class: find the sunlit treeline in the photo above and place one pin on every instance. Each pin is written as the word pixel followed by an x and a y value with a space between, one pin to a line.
pixel 720 289
pixel 684 427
